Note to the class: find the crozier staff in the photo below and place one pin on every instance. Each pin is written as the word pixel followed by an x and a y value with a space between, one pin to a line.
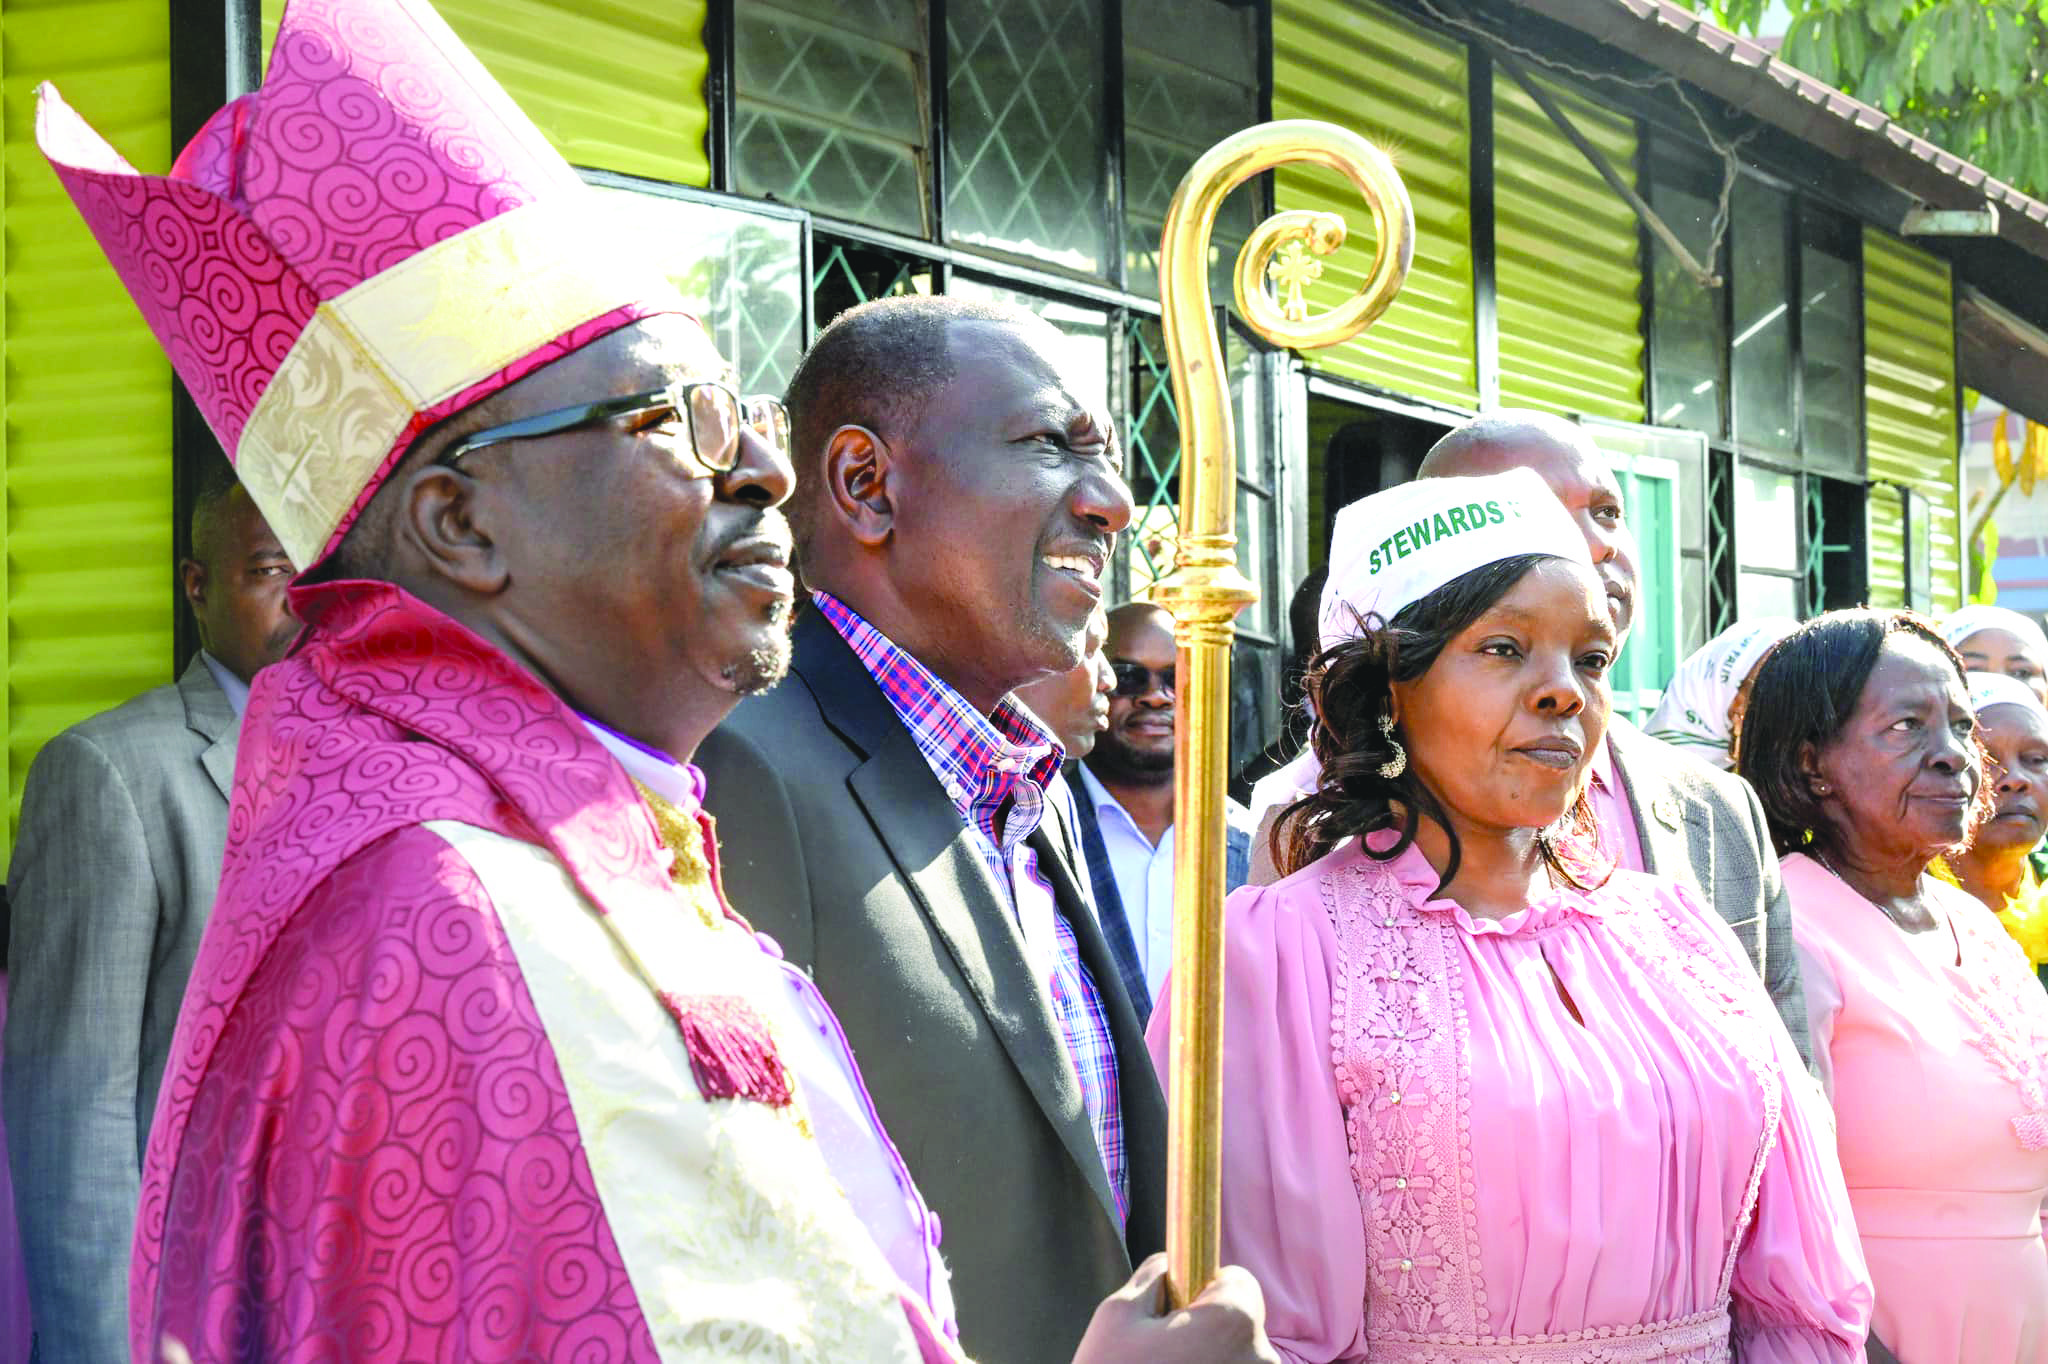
pixel 1484 1099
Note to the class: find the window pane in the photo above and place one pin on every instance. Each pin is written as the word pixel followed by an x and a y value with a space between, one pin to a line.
pixel 1024 135
pixel 1767 519
pixel 1688 337
pixel 1190 80
pixel 1693 574
pixel 1761 594
pixel 742 272
pixel 1762 345
pixel 828 108
pixel 1831 344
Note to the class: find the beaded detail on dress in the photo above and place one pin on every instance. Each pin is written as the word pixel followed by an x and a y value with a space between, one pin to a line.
pixel 1400 1049
pixel 2015 1041
pixel 1702 1338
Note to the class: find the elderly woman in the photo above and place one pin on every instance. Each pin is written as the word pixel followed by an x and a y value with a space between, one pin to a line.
pixel 1992 639
pixel 2012 725
pixel 1484 1099
pixel 1928 1032
pixel 1702 707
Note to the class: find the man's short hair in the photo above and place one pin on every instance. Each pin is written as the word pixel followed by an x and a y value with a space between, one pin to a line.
pixel 215 485
pixel 877 365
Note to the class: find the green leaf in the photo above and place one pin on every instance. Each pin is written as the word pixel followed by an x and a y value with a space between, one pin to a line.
pixel 1852 43
pixel 1885 16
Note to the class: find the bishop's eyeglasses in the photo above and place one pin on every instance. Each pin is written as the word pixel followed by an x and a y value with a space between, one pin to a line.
pixel 713 413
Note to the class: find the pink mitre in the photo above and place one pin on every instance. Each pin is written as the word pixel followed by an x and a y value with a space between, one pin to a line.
pixel 375 239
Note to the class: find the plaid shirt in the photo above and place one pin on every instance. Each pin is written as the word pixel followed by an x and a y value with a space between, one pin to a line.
pixel 985 764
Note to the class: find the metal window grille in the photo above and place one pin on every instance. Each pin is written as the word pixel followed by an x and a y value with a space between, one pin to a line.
pixel 830 109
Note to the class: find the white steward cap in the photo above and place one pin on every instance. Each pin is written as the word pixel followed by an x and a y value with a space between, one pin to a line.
pixel 1996 689
pixel 1693 712
pixel 1400 545
pixel 1958 626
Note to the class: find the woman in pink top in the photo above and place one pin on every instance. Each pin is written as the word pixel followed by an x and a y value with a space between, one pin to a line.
pixel 1928 1031
pixel 1485 1101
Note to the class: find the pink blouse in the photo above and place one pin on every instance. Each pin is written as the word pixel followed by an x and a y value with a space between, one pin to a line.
pixel 1429 1158
pixel 1938 1066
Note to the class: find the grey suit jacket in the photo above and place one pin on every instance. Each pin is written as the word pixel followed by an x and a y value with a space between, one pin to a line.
pixel 835 838
pixel 123 822
pixel 1704 828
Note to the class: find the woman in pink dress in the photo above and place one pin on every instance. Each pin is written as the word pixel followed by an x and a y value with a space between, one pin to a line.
pixel 1929 1032
pixel 1485 1101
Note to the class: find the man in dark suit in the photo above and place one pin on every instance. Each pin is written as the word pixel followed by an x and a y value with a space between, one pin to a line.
pixel 1660 810
pixel 123 820
pixel 881 813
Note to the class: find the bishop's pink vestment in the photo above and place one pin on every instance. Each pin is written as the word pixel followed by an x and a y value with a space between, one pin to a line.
pixel 462 1074
pixel 1575 1135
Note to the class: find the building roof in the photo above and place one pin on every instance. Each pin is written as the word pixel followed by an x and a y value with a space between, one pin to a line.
pixel 1746 75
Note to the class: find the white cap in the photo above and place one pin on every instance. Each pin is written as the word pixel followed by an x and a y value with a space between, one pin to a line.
pixel 1996 689
pixel 1398 546
pixel 1958 626
pixel 1693 712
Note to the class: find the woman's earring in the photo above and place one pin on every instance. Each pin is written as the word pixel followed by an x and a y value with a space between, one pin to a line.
pixel 1396 765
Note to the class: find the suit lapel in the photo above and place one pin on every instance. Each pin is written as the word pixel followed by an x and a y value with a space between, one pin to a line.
pixel 209 715
pixel 1676 831
pixel 922 830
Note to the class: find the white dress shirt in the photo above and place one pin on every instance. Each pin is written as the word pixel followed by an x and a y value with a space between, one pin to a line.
pixel 1144 878
pixel 237 690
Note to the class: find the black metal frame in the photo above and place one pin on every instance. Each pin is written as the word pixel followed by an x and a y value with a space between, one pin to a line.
pixel 215 56
pixel 1480 199
pixel 721 97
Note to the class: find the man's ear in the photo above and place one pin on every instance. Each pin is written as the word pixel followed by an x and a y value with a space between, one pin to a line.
pixel 857 469
pixel 192 583
pixel 441 527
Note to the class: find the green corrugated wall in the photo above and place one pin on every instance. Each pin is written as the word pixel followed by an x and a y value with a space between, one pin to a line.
pixel 87 397
pixel 1569 283
pixel 614 85
pixel 1362 66
pixel 1909 397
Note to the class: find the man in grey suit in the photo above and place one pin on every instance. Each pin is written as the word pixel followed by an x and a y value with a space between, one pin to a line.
pixel 123 821
pixel 1659 810
pixel 879 813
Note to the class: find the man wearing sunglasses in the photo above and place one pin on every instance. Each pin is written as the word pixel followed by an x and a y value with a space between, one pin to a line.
pixel 1124 799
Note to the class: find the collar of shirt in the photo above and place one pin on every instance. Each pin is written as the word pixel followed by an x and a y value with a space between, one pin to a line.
pixel 237 690
pixel 1105 802
pixel 980 760
pixel 680 784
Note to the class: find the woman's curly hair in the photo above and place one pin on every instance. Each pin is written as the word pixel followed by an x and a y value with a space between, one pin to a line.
pixel 1350 690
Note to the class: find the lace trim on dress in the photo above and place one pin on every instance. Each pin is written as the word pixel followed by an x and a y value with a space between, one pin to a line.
pixel 1398 1039
pixel 1397 1028
pixel 1702 1338
pixel 2013 1039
